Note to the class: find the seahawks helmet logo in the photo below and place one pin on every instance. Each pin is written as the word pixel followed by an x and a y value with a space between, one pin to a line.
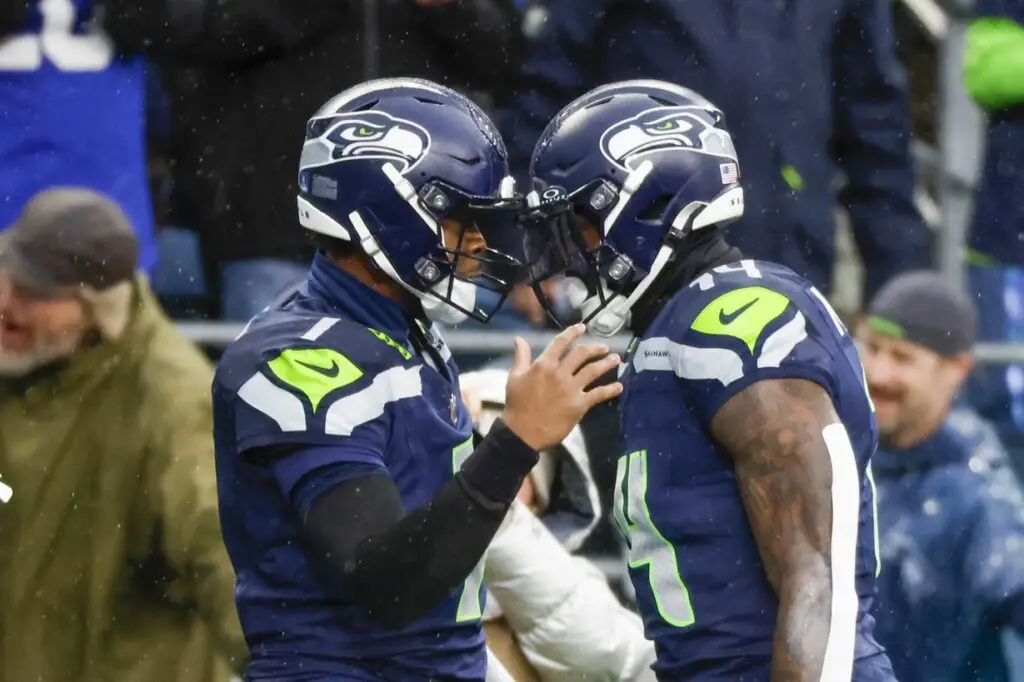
pixel 364 135
pixel 664 129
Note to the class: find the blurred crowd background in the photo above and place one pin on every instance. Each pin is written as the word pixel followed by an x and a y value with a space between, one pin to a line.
pixel 875 137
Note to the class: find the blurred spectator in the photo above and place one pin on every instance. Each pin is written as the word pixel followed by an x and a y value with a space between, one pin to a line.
pixel 72 113
pixel 158 142
pixel 810 88
pixel 950 512
pixel 179 278
pixel 243 75
pixel 918 51
pixel 993 68
pixel 550 614
pixel 112 565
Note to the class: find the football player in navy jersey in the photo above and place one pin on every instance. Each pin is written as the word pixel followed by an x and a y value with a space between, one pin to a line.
pixel 744 493
pixel 355 510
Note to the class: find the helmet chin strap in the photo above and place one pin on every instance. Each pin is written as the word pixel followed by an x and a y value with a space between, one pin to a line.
pixel 615 315
pixel 617 312
pixel 434 307
pixel 463 295
pixel 610 320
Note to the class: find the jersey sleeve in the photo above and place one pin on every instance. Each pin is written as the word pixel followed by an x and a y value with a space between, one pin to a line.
pixel 322 400
pixel 304 475
pixel 744 334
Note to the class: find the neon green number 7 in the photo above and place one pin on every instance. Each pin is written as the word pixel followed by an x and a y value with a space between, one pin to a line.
pixel 470 603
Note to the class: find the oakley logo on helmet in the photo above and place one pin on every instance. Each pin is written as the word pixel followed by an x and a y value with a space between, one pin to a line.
pixel 553 195
pixel 365 135
pixel 664 129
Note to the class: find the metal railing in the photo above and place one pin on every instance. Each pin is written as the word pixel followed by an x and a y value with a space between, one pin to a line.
pixel 220 334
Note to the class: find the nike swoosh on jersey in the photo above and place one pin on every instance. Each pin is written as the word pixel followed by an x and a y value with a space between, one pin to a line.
pixel 727 318
pixel 329 372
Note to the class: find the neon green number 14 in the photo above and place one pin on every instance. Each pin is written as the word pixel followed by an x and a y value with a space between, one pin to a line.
pixel 647 546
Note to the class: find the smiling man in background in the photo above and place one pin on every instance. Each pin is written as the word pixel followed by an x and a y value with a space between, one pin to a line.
pixel 950 512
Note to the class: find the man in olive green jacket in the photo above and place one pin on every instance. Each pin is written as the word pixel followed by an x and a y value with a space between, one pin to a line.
pixel 112 567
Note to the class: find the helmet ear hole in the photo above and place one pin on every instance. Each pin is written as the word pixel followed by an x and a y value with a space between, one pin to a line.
pixel 655 210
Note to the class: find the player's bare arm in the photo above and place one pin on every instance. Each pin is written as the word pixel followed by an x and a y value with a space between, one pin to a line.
pixel 773 432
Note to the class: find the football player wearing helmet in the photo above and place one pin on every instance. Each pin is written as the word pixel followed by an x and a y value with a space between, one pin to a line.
pixel 744 495
pixel 355 510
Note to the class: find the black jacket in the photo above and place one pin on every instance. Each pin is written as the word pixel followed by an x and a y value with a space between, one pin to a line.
pixel 813 95
pixel 244 76
pixel 12 15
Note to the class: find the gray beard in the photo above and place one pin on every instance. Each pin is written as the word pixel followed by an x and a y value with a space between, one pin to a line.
pixel 14 365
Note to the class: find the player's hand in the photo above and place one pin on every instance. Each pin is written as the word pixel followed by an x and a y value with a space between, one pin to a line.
pixel 546 398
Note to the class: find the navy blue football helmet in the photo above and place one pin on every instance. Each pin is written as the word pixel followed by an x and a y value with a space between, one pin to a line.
pixel 621 177
pixel 385 162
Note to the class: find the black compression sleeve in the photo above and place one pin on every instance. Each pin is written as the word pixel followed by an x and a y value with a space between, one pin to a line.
pixel 400 567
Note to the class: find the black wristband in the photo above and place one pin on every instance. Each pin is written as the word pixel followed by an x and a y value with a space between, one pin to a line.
pixel 497 467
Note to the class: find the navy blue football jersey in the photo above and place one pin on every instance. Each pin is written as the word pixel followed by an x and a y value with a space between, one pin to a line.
pixel 703 593
pixel 303 376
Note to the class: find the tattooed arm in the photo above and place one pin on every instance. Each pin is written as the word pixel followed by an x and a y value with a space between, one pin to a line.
pixel 773 432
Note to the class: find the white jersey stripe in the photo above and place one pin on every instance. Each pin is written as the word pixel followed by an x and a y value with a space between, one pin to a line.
pixel 842 631
pixel 362 407
pixel 320 328
pixel 282 406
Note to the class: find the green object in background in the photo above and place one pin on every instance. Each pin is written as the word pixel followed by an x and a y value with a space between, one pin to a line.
pixel 793 178
pixel 994 63
pixel 978 259
pixel 884 326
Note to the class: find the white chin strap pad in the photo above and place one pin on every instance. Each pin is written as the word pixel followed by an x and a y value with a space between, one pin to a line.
pixel 440 311
pixel 607 322
pixel 611 320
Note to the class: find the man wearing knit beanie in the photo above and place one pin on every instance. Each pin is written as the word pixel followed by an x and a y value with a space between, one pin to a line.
pixel 67 268
pixel 112 564
pixel 950 511
pixel 917 349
